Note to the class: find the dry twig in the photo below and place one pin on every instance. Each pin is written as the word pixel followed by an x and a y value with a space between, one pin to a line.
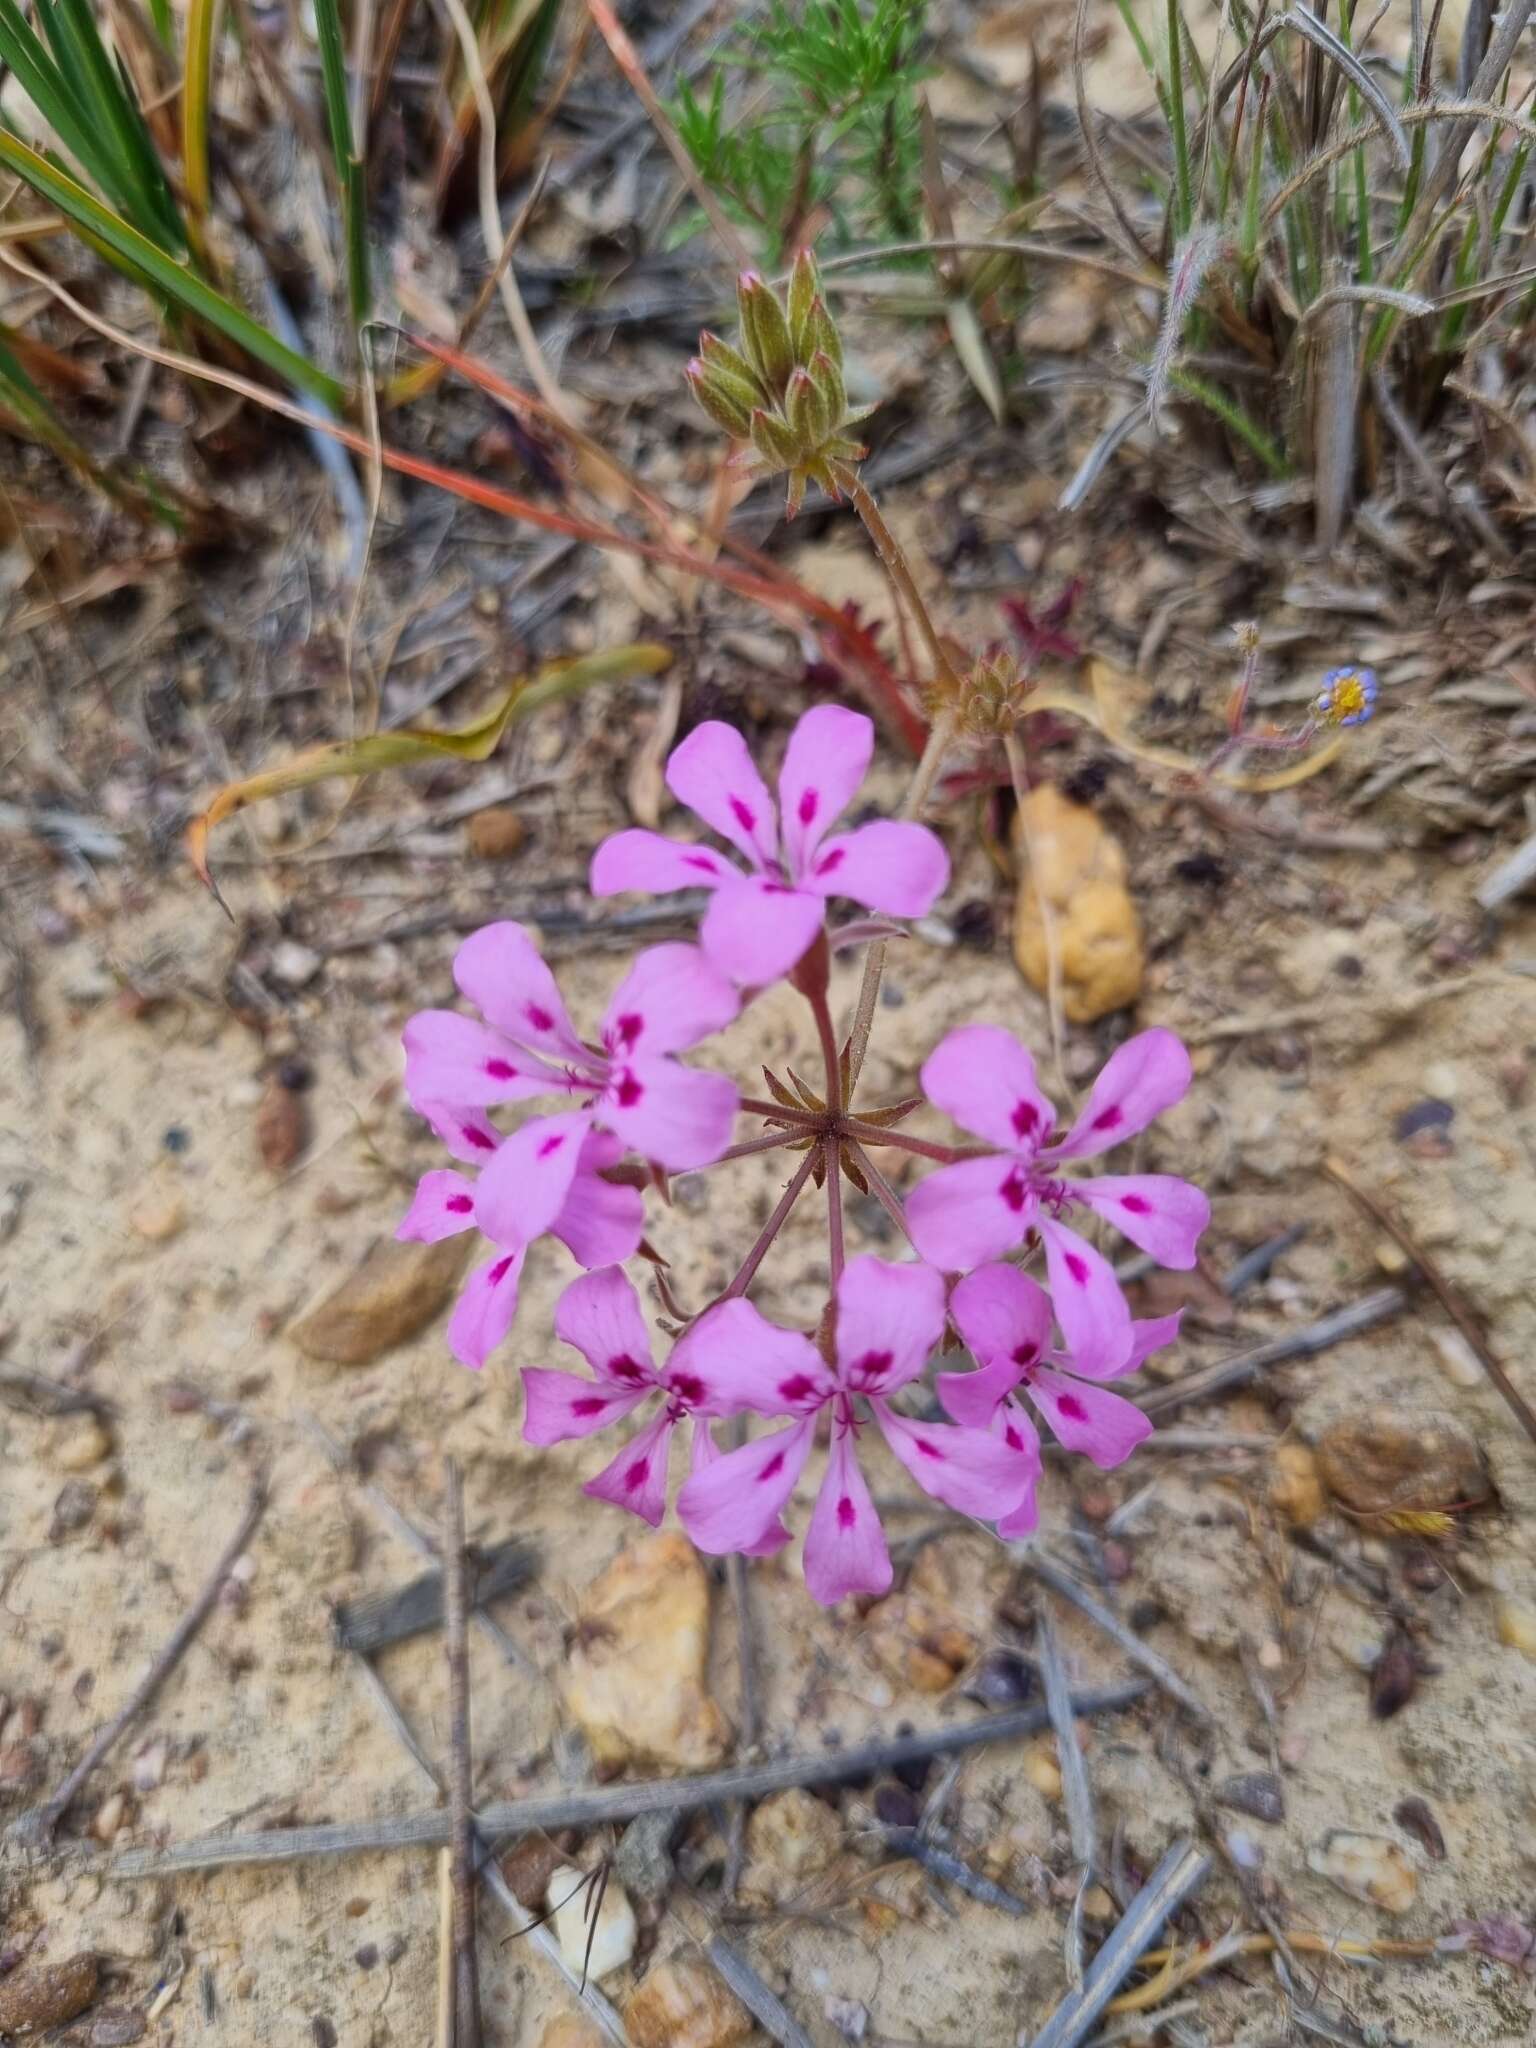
pixel 466 1973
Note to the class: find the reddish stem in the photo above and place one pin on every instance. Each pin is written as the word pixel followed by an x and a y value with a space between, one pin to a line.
pixel 771 1228
pixel 833 1155
pixel 947 1155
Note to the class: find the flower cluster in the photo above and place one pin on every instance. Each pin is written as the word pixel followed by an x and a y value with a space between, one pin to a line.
pixel 620 1111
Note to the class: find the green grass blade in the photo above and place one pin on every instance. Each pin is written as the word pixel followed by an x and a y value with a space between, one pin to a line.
pixel 1183 202
pixel 147 263
pixel 349 170
pixel 1231 415
pixel 144 194
pixel 196 93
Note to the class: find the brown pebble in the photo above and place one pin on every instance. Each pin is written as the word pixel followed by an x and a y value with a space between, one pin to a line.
pixel 1394 1676
pixel 282 1125
pixel 1377 1460
pixel 116 2028
pixel 1259 1794
pixel 32 1999
pixel 529 1866
pixel 496 834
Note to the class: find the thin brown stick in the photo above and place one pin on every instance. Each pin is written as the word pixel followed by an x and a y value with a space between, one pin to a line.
pixel 445 1957
pixel 1448 1296
pixel 36 1828
pixel 466 1973
pixel 1077 1794
pixel 1349 1321
pixel 1157 1668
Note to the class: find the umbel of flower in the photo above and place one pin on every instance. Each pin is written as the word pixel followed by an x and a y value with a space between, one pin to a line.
pixel 782 389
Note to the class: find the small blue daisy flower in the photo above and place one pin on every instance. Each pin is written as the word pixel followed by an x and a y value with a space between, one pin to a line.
pixel 1348 697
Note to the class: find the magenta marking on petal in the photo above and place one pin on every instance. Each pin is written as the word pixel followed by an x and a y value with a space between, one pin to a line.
pixel 623 1367
pixel 459 1205
pixel 687 1388
pixel 871 1368
pixel 499 1271
pixel 808 803
pixel 1137 1205
pixel 1072 1408
pixel 481 1139
pixel 847 1515
pixel 1012 1438
pixel 628 1092
pixel 772 1469
pixel 629 1027
pixel 541 1020
pixel 796 1389
pixel 929 1450
pixel 634 1478
pixel 591 1406
pixel 550 1145
pixel 743 815
pixel 701 861
pixel 830 861
pixel 501 1070
pixel 1077 1267
pixel 1025 1354
pixel 1014 1192
pixel 1025 1118
pixel 777 889
pixel 1108 1119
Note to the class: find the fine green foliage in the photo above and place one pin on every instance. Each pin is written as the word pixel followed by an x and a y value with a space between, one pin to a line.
pixel 815 110
pixel 349 165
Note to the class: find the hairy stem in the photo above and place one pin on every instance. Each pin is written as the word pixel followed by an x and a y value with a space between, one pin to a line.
pixel 926 773
pixel 890 552
pixel 1019 772
pixel 832 1153
pixel 946 1155
pixel 753 1145
pixel 826 1032
pixel 781 1113
pixel 772 1227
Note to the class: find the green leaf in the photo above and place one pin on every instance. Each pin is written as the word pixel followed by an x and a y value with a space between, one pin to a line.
pixel 148 264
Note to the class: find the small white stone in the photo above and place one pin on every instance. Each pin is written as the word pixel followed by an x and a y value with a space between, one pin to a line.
pixel 294 965
pixel 1458 1358
pixel 598 1949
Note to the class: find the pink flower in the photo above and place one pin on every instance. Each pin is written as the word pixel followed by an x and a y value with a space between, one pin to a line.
pixel 963 1215
pixel 671 998
pixel 1005 1318
pixel 599 1221
pixel 600 1316
pixel 759 924
pixel 889 1319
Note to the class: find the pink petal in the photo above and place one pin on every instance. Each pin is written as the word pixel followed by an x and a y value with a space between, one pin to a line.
pixel 961 1216
pixel 733 1359
pixel 713 774
pixel 599 1315
pixel 736 1502
pixel 1002 1313
pixel 653 866
pixel 600 1221
pixel 827 758
pixel 705 1452
pixel 845 1545
pixel 1161 1214
pixel 1095 1322
pixel 484 1310
pixel 672 1114
pixel 755 930
pixel 1148 1074
pixel 449 1058
pixel 889 1321
pixel 559 1405
pixel 469 1134
pixel 444 1203
pixel 900 870
pixel 637 1478
pixel 1016 1430
pixel 525 1184
pixel 1104 1427
pixel 1151 1334
pixel 975 1397
pixel 671 998
pixel 502 973
pixel 983 1078
pixel 969 1470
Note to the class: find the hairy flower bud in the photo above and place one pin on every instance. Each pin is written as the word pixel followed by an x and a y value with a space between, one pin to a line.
pixel 783 389
pixel 994 694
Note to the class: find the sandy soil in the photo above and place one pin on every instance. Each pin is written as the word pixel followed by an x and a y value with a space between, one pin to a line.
pixel 152 1251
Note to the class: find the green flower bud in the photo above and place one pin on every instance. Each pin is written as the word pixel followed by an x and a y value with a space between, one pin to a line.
pixel 810 421
pixel 804 291
pixel 765 331
pixel 822 334
pixel 729 410
pixel 773 440
pixel 828 379
pixel 719 355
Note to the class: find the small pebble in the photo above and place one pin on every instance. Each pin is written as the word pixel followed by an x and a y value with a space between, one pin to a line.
pixel 1367 1867
pixel 1517 1626
pixel 596 1944
pixel 1259 1794
pixel 33 1999
pixel 1002 1679
pixel 80 1442
pixel 1431 1114
pixel 73 1509
pixel 158 1215
pixel 1414 1816
pixel 294 966
pixel 110 1816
